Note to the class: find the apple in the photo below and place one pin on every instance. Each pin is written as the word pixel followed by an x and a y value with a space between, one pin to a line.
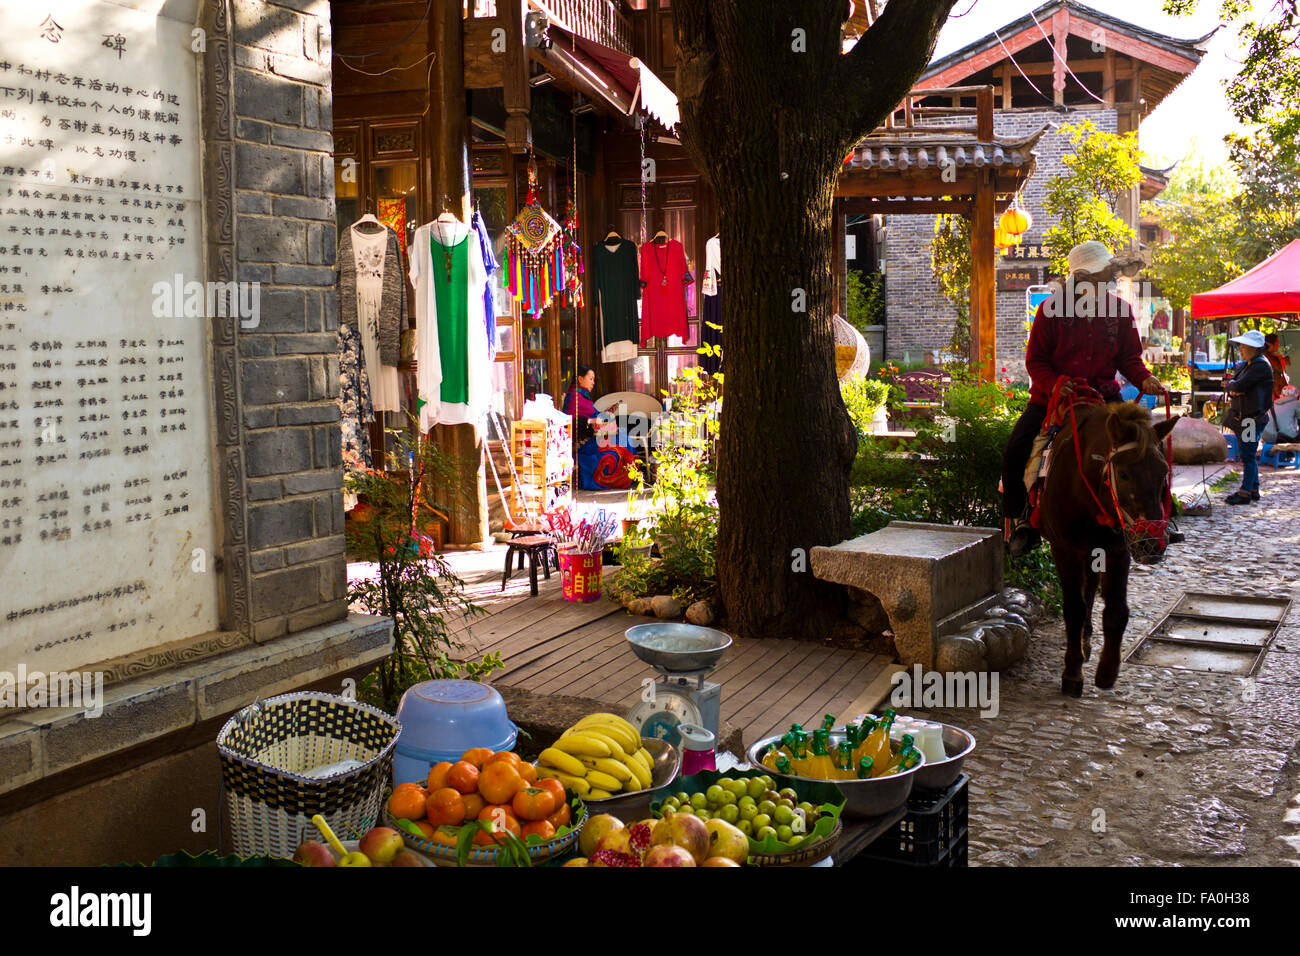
pixel 685 831
pixel 594 829
pixel 668 854
pixel 406 858
pixel 727 842
pixel 719 861
pixel 314 853
pixel 381 844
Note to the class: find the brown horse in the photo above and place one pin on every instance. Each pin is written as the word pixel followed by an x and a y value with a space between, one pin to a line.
pixel 1099 508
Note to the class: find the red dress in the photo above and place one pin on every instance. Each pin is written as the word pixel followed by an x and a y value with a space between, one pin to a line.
pixel 664 278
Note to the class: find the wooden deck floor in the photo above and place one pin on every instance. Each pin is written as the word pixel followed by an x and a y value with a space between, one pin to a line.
pixel 551 646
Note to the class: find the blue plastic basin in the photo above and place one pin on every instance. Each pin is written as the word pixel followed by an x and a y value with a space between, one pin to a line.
pixel 441 719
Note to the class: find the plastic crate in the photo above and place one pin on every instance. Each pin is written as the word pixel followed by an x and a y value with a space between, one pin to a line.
pixel 934 832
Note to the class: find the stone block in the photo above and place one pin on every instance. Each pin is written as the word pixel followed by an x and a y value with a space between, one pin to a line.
pixel 283 592
pixel 329 513
pixel 281 310
pixel 315 550
pixel 303 208
pixel 21 754
pixel 299 138
pixel 305 275
pixel 333 580
pixel 922 573
pixel 256 346
pixel 263 417
pixel 278 451
pixel 283 522
pixel 324 343
pixel 314 617
pixel 270 629
pixel 273 240
pixel 253 204
pixel 1197 441
pixel 321 244
pixel 297 660
pixel 275 381
pixel 270 169
pixel 266 489
pixel 264 26
pixel 310 414
pixel 329 480
pixel 263 561
pixel 254 273
pixel 134 713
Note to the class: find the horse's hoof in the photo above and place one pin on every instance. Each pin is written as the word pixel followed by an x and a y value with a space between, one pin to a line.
pixel 1106 680
pixel 1073 686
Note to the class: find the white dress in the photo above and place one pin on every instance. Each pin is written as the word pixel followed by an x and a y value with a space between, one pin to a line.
pixel 428 376
pixel 369 250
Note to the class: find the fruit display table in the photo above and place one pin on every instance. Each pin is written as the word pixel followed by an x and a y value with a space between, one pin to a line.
pixel 860 834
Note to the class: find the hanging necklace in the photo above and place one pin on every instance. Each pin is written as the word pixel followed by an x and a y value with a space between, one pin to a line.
pixel 663 266
pixel 446 252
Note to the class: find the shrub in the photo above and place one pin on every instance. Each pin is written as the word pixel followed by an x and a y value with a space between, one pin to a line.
pixel 415 586
pixel 862 397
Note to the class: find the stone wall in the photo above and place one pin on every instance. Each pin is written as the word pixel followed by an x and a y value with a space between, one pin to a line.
pixel 919 317
pixel 288 365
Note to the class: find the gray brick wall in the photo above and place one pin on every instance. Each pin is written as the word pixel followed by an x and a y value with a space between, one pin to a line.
pixel 285 239
pixel 919 317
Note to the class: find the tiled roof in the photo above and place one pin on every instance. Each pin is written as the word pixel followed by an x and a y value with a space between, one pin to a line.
pixel 917 151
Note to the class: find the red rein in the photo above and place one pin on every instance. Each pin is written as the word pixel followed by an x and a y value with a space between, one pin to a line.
pixel 1142 528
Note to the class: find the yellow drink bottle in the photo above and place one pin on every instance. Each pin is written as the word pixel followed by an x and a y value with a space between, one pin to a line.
pixel 876 746
pixel 820 764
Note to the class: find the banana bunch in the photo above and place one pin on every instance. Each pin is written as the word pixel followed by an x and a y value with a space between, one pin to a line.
pixel 599 756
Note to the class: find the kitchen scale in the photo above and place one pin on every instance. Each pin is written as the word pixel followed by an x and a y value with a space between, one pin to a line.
pixel 684 655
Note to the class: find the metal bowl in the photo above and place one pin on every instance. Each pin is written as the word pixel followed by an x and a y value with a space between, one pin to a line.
pixel 678 647
pixel 863 798
pixel 942 774
pixel 667 763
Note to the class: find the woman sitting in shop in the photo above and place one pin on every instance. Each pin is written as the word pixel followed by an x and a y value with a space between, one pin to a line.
pixel 601 462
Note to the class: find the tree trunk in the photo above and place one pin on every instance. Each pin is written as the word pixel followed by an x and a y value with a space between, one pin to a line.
pixel 769 108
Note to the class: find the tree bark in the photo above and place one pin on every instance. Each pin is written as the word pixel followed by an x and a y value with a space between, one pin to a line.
pixel 769 107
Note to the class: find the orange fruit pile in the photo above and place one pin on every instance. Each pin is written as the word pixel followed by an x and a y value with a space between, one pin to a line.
pixel 483 785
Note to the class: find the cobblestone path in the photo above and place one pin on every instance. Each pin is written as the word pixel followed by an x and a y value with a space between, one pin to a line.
pixel 1171 767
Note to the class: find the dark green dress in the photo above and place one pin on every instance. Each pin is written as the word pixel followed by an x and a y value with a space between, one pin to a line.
pixel 617 282
pixel 450 289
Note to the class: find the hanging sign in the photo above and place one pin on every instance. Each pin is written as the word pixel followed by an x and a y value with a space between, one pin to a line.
pixel 1019 279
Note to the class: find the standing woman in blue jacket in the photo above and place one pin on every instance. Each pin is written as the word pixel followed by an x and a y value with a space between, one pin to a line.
pixel 1251 392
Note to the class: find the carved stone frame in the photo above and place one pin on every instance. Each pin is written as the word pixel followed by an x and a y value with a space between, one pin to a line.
pixel 218 128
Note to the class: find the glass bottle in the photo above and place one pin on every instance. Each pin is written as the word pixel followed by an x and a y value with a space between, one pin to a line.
pixel 864 768
pixel 876 746
pixel 820 764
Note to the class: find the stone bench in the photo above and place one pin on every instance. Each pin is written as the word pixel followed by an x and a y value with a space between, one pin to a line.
pixel 931 579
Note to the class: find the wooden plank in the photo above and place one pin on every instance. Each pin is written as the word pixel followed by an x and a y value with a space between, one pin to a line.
pixel 604 665
pixel 1060 30
pixel 878 690
pixel 986 58
pixel 581 651
pixel 829 678
pixel 636 669
pixel 866 679
pixel 770 696
pixel 758 678
pixel 563 622
pixel 983 312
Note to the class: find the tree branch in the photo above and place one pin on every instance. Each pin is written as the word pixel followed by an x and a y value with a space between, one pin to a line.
pixel 870 82
pixel 697 64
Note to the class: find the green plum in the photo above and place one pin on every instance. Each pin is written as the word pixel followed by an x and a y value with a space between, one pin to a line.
pixel 745 827
pixel 682 797
pixel 714 794
pixel 755 787
pixel 789 794
pixel 747 812
pixel 762 833
pixel 746 801
pixel 704 814
pixel 767 806
pixel 699 801
pixel 727 799
pixel 806 807
pixel 760 820
pixel 730 813
pixel 783 815
pixel 784 834
pixel 784 802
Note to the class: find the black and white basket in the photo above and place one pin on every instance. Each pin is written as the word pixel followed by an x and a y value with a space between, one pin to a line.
pixel 269 751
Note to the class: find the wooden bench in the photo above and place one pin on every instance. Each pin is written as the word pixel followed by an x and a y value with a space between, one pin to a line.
pixel 924 390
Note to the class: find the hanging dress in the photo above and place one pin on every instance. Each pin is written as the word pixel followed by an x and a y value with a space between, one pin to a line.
pixel 712 307
pixel 454 371
pixel 664 278
pixel 355 409
pixel 370 251
pixel 617 288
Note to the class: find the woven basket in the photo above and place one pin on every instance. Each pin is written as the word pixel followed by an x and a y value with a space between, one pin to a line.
pixel 266 750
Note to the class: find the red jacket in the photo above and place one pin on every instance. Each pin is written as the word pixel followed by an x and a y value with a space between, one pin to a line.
pixel 1063 341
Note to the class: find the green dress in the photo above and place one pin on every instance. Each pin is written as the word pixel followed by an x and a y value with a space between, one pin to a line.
pixel 451 289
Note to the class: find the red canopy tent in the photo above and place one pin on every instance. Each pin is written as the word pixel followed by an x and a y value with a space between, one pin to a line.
pixel 1271 288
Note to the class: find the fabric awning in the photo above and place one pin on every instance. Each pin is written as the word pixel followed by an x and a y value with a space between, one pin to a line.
pixel 1271 288
pixel 607 67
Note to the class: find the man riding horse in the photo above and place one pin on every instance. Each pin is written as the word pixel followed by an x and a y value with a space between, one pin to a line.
pixel 1083 331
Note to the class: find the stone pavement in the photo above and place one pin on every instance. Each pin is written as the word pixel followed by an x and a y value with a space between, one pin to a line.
pixel 1172 767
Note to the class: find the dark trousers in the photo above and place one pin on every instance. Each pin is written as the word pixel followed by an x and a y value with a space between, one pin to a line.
pixel 1015 497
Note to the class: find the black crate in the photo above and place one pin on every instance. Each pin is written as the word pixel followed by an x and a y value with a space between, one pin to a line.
pixel 934 832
